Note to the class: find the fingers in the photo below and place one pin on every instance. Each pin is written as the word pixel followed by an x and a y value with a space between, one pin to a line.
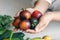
pixel 38 30
pixel 38 27
pixel 17 14
pixel 31 31
pixel 41 23
pixel 42 28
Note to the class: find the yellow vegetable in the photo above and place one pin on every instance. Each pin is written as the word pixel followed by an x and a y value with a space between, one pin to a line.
pixel 5 39
pixel 46 37
pixel 37 38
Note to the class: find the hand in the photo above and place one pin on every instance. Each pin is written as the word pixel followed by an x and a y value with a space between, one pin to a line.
pixel 44 21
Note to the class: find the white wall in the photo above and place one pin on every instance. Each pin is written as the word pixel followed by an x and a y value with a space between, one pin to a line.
pixel 10 7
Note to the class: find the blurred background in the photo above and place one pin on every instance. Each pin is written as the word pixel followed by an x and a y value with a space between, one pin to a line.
pixel 11 7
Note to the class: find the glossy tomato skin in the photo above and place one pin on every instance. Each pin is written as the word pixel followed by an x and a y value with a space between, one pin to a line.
pixel 33 22
pixel 25 14
pixel 24 25
pixel 16 22
pixel 36 14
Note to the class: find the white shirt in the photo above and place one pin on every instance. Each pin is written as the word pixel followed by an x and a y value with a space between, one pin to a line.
pixel 55 6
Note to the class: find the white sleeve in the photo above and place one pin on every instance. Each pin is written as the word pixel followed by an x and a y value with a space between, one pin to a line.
pixel 50 1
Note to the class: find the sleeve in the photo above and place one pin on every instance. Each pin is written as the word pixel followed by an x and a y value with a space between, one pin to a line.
pixel 50 1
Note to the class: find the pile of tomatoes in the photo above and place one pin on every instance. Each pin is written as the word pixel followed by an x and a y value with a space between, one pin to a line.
pixel 27 20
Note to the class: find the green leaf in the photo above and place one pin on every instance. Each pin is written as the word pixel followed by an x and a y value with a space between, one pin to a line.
pixel 6 34
pixel 20 34
pixel 5 21
pixel 11 39
pixel 1 28
pixel 0 19
pixel 28 39
pixel 21 38
pixel 15 38
pixel 2 31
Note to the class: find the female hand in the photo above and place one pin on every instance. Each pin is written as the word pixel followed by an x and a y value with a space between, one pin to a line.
pixel 44 21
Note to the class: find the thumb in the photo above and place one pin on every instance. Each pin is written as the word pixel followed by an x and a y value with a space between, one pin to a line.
pixel 18 13
pixel 40 25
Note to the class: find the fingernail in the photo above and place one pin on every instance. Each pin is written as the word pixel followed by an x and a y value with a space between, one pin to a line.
pixel 27 30
pixel 36 29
